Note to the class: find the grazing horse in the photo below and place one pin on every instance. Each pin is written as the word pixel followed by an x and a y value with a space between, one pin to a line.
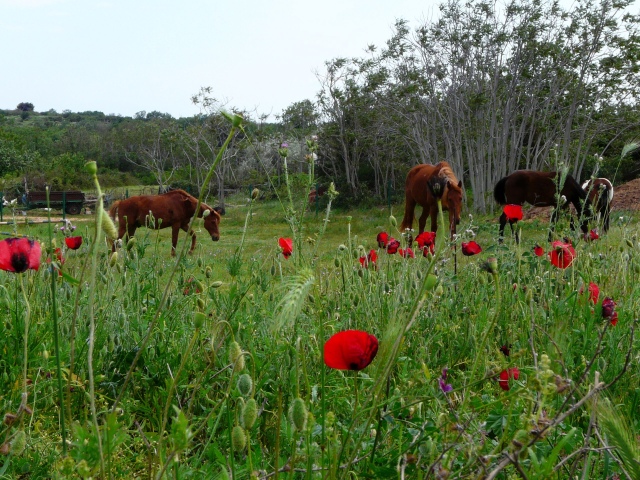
pixel 424 186
pixel 539 189
pixel 172 209
pixel 600 194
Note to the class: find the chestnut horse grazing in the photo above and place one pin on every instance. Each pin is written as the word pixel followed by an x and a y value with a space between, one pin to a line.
pixel 600 194
pixel 539 189
pixel 172 209
pixel 425 185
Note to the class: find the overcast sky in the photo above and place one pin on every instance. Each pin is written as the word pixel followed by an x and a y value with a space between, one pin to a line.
pixel 125 56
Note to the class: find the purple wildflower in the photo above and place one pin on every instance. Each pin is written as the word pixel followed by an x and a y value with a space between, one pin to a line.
pixel 284 145
pixel 444 386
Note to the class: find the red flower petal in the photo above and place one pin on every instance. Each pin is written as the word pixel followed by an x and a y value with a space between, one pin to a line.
pixel 593 234
pixel 382 239
pixel 538 250
pixel 426 239
pixel 471 248
pixel 562 254
pixel 392 246
pixel 513 212
pixel 406 253
pixel 350 350
pixel 73 242
pixel 506 375
pixel 287 246
pixel 19 254
pixel 594 292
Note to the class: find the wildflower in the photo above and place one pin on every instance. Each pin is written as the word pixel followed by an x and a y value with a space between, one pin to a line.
pixel 506 375
pixel 513 212
pixel 287 246
pixel 370 259
pixel 471 248
pixel 392 246
pixel 382 239
pixel 73 242
pixel 608 310
pixel 19 254
pixel 506 350
pixel 283 151
pixel 406 253
pixel 538 250
pixel 426 241
pixel 593 235
pixel 350 350
pixel 562 254
pixel 444 386
pixel 594 292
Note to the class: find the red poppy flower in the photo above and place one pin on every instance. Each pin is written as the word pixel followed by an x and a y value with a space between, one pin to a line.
pixel 562 254
pixel 286 244
pixel 350 350
pixel 19 254
pixel 471 248
pixel 608 310
pixel 594 292
pixel 506 375
pixel 538 250
pixel 382 239
pixel 513 212
pixel 406 253
pixel 393 245
pixel 593 235
pixel 73 242
pixel 370 259
pixel 427 241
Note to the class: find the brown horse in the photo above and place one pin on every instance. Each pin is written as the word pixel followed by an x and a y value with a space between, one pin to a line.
pixel 539 189
pixel 424 186
pixel 600 194
pixel 172 209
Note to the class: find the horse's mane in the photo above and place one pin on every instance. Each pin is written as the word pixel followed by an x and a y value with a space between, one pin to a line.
pixel 444 171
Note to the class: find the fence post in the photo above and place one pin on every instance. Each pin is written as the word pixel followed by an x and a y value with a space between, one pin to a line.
pixel 1 206
pixel 250 190
pixel 64 205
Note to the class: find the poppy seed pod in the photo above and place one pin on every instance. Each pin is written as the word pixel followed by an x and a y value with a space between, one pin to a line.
pixel 131 243
pixel 109 227
pixel 238 439
pixel 249 413
pixel 245 384
pixel 113 259
pixel 208 272
pixel 216 284
pixel 298 414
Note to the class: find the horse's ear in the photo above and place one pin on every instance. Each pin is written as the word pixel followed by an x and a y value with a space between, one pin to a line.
pixel 460 184
pixel 220 210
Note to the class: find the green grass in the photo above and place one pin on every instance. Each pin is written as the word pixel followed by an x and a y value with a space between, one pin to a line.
pixel 178 411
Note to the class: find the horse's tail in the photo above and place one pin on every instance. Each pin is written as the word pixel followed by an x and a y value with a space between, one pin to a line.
pixel 114 209
pixel 498 191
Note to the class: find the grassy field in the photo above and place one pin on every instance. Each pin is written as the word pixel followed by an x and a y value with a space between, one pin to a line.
pixel 211 365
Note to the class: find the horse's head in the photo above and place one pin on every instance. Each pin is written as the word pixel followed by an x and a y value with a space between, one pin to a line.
pixel 212 221
pixel 454 204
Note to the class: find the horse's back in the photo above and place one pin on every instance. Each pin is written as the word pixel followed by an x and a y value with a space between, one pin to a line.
pixel 171 207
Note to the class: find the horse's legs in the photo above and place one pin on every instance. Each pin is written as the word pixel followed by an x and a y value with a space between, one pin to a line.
pixel 409 207
pixel 503 222
pixel 175 231
pixel 434 218
pixel 422 221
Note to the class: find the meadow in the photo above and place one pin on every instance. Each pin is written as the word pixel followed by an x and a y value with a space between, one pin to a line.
pixel 213 365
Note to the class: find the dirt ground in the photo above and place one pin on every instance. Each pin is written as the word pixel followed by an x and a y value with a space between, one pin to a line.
pixel 626 197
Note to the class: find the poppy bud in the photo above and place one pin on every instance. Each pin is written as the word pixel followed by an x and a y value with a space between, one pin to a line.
pixel 200 303
pixel 336 262
pixel 216 284
pixel 113 259
pixel 131 243
pixel 109 227
pixel 249 413
pixel 122 320
pixel 208 272
pixel 520 439
pixel 238 439
pixel 9 419
pixel 206 213
pixel 91 168
pixel 439 290
pixel 629 243
pixel 298 414
pixel 235 356
pixel 18 444
pixel 393 221
pixel 255 193
pixel 199 262
pixel 198 320
pixel 45 354
pixel 245 384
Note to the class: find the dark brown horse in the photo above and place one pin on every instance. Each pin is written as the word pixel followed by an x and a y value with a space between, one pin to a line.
pixel 424 186
pixel 539 189
pixel 600 194
pixel 172 209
